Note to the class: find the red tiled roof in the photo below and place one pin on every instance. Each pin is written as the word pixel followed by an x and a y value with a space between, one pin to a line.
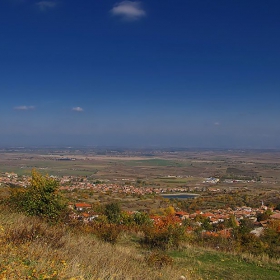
pixel 275 216
pixel 181 213
pixel 208 214
pixel 82 205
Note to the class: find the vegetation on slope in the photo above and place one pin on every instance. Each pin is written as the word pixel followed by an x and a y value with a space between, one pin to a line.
pixel 40 198
pixel 33 249
pixel 116 246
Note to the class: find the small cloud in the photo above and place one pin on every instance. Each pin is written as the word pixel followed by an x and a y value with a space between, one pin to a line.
pixel 77 109
pixel 216 123
pixel 24 108
pixel 128 10
pixel 45 5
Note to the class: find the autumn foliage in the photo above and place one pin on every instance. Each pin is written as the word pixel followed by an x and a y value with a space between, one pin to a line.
pixel 164 233
pixel 40 198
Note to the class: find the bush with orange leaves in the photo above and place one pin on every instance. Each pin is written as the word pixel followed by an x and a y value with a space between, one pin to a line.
pixel 165 233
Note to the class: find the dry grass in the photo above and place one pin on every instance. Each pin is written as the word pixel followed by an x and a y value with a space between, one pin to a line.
pixel 31 249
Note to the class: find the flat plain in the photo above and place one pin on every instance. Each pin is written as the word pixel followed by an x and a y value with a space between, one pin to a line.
pixel 178 166
pixel 254 172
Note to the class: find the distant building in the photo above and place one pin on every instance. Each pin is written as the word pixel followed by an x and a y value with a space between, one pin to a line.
pixel 275 216
pixel 211 180
pixel 82 206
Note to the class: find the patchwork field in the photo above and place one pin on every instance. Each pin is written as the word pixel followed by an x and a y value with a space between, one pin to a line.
pixel 160 166
pixel 252 172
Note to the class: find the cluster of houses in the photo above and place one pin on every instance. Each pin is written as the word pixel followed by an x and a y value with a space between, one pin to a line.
pixel 70 183
pixel 83 212
pixel 119 188
pixel 11 178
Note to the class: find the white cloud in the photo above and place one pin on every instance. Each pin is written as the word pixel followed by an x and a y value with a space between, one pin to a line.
pixel 216 123
pixel 24 108
pixel 45 5
pixel 77 109
pixel 128 10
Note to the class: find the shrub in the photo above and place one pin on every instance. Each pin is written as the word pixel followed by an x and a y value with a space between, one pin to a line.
pixel 158 259
pixel 135 220
pixel 40 198
pixel 113 212
pixel 164 235
pixel 141 218
pixel 277 207
pixel 107 232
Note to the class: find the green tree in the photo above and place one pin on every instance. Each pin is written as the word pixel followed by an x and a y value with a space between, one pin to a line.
pixel 277 206
pixel 113 212
pixel 246 225
pixel 263 216
pixel 231 222
pixel 141 218
pixel 40 198
pixel 206 224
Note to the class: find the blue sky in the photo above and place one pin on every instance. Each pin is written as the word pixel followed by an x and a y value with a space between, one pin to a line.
pixel 181 73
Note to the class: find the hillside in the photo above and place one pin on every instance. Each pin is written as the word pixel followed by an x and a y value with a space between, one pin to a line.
pixel 32 249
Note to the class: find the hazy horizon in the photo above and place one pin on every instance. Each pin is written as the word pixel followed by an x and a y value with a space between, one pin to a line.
pixel 144 149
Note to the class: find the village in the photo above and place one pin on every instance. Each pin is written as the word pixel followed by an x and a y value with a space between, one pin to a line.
pixel 70 183
pixel 217 218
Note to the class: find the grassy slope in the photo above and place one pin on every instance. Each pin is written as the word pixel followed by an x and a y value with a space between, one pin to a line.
pixel 31 249
pixel 217 265
pixel 57 253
